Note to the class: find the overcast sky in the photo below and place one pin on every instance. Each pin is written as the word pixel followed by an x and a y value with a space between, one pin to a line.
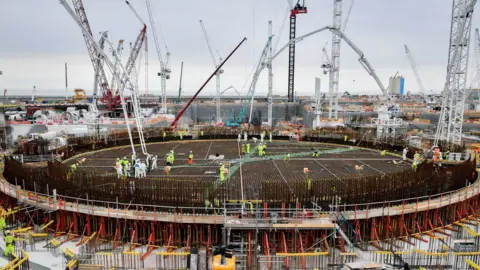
pixel 39 36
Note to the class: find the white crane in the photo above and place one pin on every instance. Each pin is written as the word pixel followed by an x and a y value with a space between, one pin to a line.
pixel 118 51
pixel 335 61
pixel 450 122
pixel 413 65
pixel 270 80
pixel 125 78
pixel 164 65
pixel 217 75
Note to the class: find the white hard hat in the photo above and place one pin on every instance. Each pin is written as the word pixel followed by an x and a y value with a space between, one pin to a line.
pixel 7 232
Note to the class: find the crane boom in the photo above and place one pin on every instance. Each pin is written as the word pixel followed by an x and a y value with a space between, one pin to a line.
pixel 477 59
pixel 217 75
pixel 180 84
pixel 94 53
pixel 164 69
pixel 413 65
pixel 208 43
pixel 174 122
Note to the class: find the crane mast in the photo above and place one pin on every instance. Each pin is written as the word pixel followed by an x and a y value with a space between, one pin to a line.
pixel 334 74
pixel 164 68
pixel 449 128
pixel 218 118
pixel 270 80
pixel 101 78
pixel 297 9
pixel 118 51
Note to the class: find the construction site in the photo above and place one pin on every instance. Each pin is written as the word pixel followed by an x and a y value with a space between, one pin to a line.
pixel 123 180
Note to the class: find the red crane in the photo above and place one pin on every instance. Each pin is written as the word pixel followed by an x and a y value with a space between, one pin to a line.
pixel 100 76
pixel 297 9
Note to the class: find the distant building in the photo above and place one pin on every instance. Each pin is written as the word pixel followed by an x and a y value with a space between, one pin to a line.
pixel 396 86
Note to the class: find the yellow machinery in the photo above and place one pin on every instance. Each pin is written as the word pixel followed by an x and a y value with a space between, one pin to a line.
pixel 229 263
pixel 79 95
pixel 223 259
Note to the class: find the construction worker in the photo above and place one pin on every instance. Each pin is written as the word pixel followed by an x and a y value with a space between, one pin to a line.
pixel 315 153
pixel 167 169
pixel 207 205
pixel 414 166
pixel 180 134
pixel 243 149
pixel 416 157
pixel 345 138
pixel 404 153
pixel 286 157
pixel 164 134
pixel 248 148
pixel 445 155
pixel 308 184
pixel 201 133
pixel 9 244
pixel 222 172
pixel 133 158
pixel 73 167
pixel 216 203
pixel 260 150
pixel 190 158
pixel 3 224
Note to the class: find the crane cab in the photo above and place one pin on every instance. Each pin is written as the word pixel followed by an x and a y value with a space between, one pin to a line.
pixel 299 8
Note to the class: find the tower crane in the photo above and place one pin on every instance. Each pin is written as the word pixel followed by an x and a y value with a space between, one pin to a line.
pixel 334 74
pixel 218 119
pixel 270 80
pixel 297 9
pixel 449 128
pixel 100 76
pixel 124 79
pixel 164 65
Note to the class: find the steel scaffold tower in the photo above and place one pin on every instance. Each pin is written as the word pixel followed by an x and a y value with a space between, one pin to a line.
pixel 298 9
pixel 335 61
pixel 449 129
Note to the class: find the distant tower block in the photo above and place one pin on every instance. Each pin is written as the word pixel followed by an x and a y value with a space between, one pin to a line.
pixel 396 86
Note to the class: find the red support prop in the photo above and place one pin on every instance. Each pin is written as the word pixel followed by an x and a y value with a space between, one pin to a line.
pixel 266 250
pixel 151 242
pixel 301 249
pixel 189 238
pixel 285 249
